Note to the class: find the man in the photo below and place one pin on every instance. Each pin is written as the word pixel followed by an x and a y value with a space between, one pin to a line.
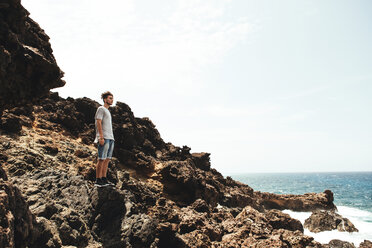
pixel 104 138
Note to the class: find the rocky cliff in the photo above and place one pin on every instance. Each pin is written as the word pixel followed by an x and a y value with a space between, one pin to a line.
pixel 28 69
pixel 165 196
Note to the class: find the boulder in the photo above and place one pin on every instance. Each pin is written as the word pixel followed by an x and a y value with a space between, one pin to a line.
pixel 335 243
pixel 280 220
pixel 365 244
pixel 323 220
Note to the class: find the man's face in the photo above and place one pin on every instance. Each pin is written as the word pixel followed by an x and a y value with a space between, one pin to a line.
pixel 109 100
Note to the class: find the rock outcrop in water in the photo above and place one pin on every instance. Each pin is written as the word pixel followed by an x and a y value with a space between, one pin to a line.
pixel 165 196
pixel 365 244
pixel 321 221
pixel 305 203
pixel 335 243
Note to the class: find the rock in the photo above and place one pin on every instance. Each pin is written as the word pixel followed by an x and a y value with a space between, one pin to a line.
pixel 72 229
pixel 3 174
pixel 3 157
pixel 238 195
pixel 202 160
pixel 320 221
pixel 17 224
pixel 201 206
pixel 167 236
pixel 139 230
pixel 51 149
pixel 87 107
pixel 280 220
pixel 49 234
pixel 191 220
pixel 28 69
pixel 181 181
pixel 365 244
pixel 10 123
pixel 296 238
pixel 196 239
pixel 82 153
pixel 108 210
pixel 24 110
pixel 335 243
pixel 165 196
pixel 47 210
pixel 305 203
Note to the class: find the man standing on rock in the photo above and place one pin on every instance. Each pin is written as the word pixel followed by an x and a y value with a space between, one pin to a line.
pixel 104 138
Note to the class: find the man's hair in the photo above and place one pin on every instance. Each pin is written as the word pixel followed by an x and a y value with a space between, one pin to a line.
pixel 104 95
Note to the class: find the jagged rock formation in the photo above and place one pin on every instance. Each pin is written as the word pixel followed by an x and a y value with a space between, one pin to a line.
pixel 320 221
pixel 28 69
pixel 17 224
pixel 165 195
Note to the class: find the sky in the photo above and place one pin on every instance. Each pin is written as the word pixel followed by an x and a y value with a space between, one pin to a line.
pixel 264 85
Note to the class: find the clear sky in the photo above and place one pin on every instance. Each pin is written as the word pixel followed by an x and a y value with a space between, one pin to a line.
pixel 264 85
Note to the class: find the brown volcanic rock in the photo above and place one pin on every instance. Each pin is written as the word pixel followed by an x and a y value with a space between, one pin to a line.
pixel 335 243
pixel 296 238
pixel 28 69
pixel 3 174
pixel 365 244
pixel 251 228
pixel 307 202
pixel 196 239
pixel 280 220
pixel 202 160
pixel 237 194
pixel 320 221
pixel 61 205
pixel 17 224
pixel 164 198
pixel 71 212
pixel 10 123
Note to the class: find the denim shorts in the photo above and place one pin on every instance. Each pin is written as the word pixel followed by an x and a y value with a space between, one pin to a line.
pixel 106 150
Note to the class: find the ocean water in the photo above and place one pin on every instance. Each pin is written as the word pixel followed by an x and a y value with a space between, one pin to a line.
pixel 352 195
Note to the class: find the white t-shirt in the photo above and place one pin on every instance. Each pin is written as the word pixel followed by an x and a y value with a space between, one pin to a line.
pixel 104 115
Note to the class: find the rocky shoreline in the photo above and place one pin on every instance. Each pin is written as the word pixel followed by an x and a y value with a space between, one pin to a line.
pixel 165 196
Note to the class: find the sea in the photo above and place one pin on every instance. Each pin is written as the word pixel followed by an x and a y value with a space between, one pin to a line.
pixel 352 193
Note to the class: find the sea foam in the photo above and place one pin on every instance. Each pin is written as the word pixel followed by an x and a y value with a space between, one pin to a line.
pixel 361 219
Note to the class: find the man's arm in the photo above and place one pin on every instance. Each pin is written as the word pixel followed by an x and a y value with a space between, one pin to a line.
pixel 100 131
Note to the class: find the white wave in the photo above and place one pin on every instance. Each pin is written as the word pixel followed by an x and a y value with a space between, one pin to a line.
pixel 361 219
pixel 301 216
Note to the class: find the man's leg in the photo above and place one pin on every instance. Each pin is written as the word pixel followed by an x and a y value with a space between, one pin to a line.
pixel 105 166
pixel 107 160
pixel 99 167
pixel 102 151
pixel 108 149
pixel 104 173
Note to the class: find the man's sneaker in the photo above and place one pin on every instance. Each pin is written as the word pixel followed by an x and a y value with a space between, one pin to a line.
pixel 99 183
pixel 107 182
